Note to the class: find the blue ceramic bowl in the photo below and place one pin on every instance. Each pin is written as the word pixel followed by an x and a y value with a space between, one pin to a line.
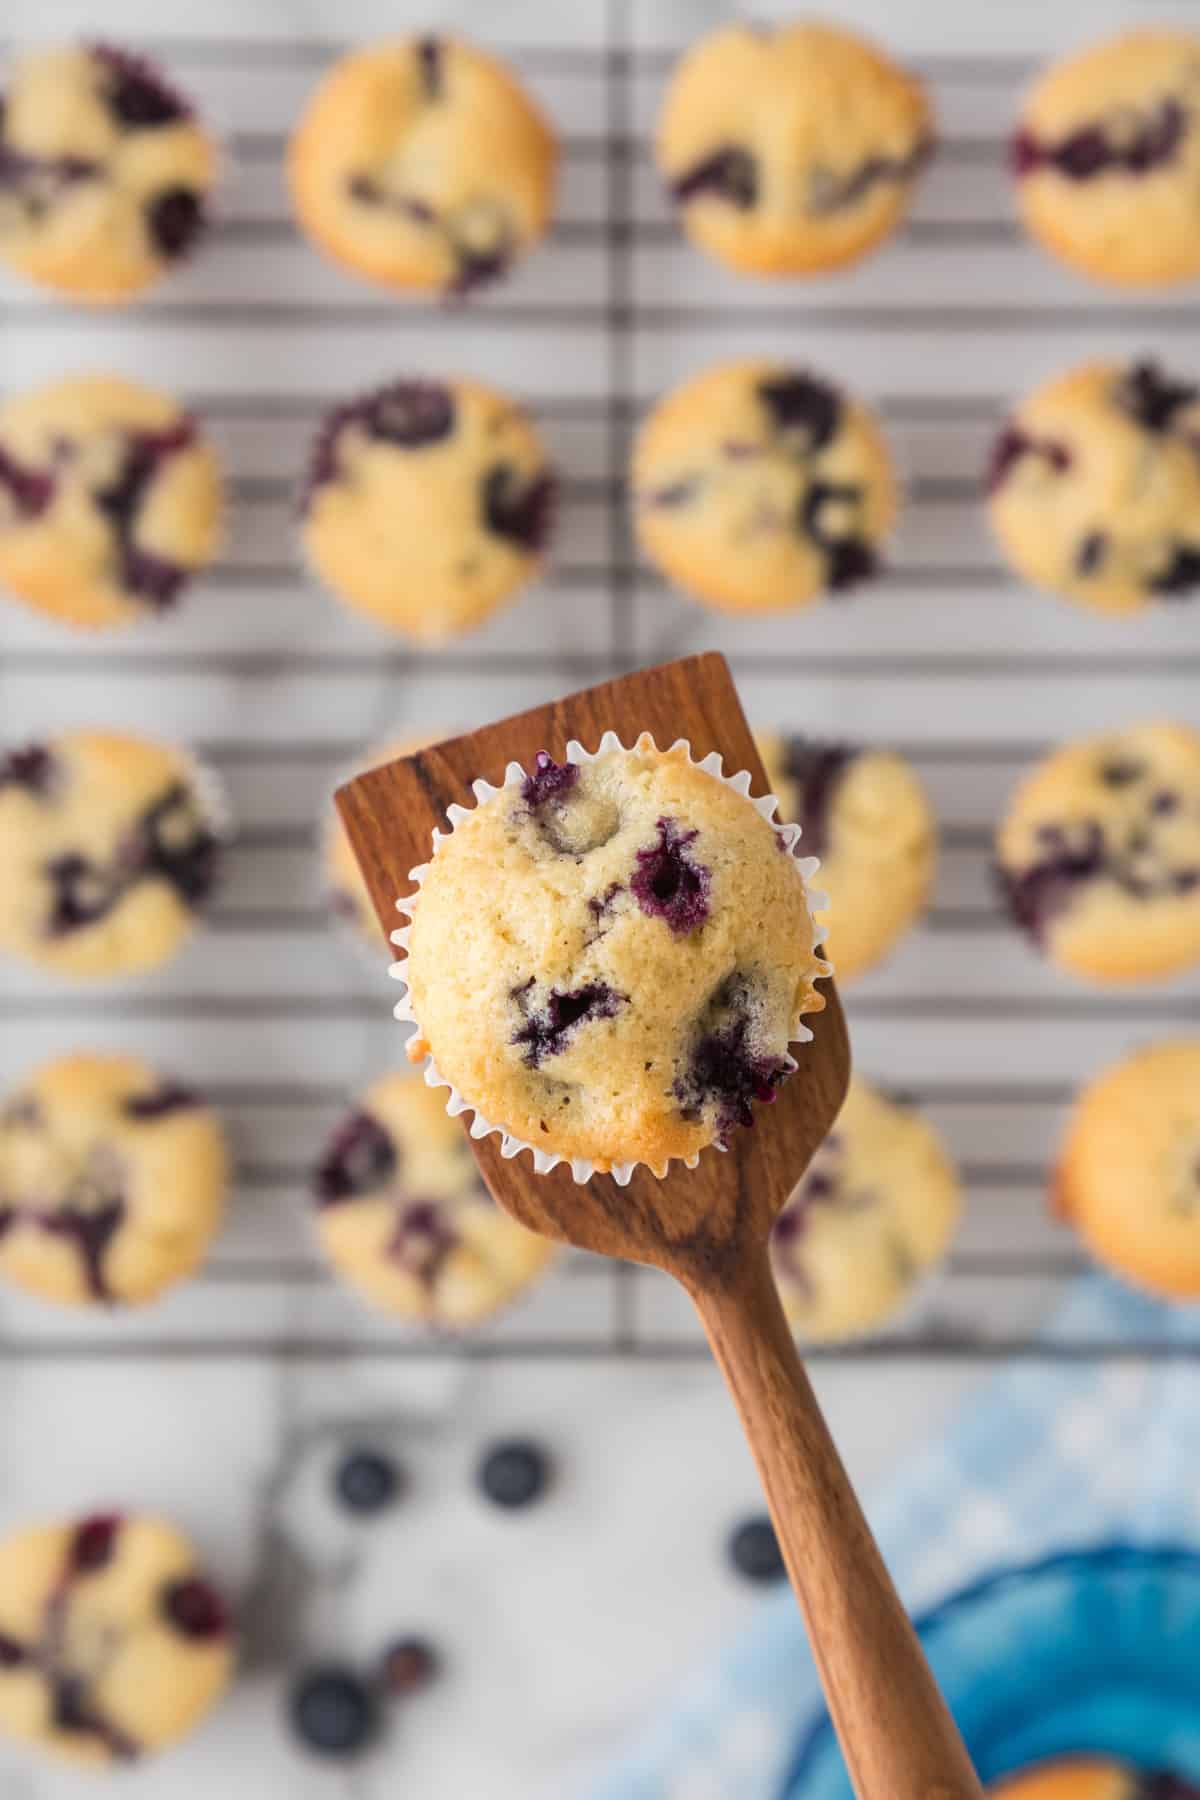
pixel 1091 1650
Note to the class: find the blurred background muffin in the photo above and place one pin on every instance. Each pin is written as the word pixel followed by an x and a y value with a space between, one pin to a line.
pixel 107 172
pixel 791 149
pixel 873 1213
pixel 423 164
pixel 427 505
pixel 345 890
pixel 758 486
pixel 111 849
pixel 867 817
pixel 112 1181
pixel 404 1217
pixel 110 500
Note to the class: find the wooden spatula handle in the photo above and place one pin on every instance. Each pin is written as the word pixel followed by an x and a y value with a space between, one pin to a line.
pixel 896 1733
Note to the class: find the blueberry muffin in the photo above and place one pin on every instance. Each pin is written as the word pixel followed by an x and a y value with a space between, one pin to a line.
pixel 110 500
pixel 428 505
pixel 404 1217
pixel 105 173
pixel 1092 1778
pixel 875 1210
pixel 867 817
pixel 610 959
pixel 758 487
pixel 1128 1178
pixel 1095 487
pixel 791 150
pixel 1099 856
pixel 112 1181
pixel 1106 158
pixel 113 1644
pixel 423 164
pixel 110 846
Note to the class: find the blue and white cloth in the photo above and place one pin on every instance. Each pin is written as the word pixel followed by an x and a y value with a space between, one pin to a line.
pixel 1061 1451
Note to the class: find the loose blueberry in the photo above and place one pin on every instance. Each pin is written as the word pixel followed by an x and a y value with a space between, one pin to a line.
pixel 333 1711
pixel 169 1097
pixel 729 173
pixel 366 1482
pixel 174 220
pixel 517 508
pixel 93 1544
pixel 549 781
pixel 32 768
pixel 1149 397
pixel 135 95
pixel 514 1473
pixel 817 771
pixel 754 1551
pixel 360 1158
pixel 803 406
pixel 668 884
pixel 545 1033
pixel 408 1665
pixel 195 1609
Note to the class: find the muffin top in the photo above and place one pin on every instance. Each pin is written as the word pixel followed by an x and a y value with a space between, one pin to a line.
pixel 110 846
pixel 428 504
pixel 865 814
pixel 104 172
pixel 608 959
pixel 1100 853
pixel 1107 157
pixel 791 149
pixel 404 1216
pixel 112 1181
pixel 1095 486
pixel 110 499
pixel 759 485
pixel 873 1211
pixel 1129 1175
pixel 113 1644
pixel 423 164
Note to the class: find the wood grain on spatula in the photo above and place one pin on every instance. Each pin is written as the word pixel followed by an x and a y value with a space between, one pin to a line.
pixel 709 1227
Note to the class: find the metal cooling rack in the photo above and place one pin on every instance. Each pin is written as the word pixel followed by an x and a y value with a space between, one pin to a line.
pixel 946 659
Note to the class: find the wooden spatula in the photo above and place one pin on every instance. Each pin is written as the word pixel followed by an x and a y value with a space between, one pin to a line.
pixel 708 1227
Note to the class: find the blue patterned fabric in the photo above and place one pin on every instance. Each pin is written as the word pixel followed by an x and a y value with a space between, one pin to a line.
pixel 1057 1453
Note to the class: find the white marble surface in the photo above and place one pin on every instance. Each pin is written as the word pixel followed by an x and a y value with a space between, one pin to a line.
pixel 564 1627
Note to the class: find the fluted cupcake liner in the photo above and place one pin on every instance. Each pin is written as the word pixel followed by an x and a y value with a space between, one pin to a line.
pixel 767 806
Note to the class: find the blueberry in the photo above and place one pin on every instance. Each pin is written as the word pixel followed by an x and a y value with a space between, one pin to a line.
pixel 514 1473
pixel 549 780
pixel 668 884
pixel 410 414
pixel 1093 151
pixel 136 97
pixel 521 511
pixel 32 768
pixel 799 403
pixel 408 1665
pixel 730 173
pixel 93 1543
pixel 366 1481
pixel 754 1550
pixel 817 770
pixel 332 1711
pixel 12 1655
pixel 360 1157
pixel 545 1033
pixel 30 491
pixel 168 1097
pixel 1151 398
pixel 1181 576
pixel 430 61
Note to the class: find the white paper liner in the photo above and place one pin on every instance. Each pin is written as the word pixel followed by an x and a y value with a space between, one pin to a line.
pixel 767 805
